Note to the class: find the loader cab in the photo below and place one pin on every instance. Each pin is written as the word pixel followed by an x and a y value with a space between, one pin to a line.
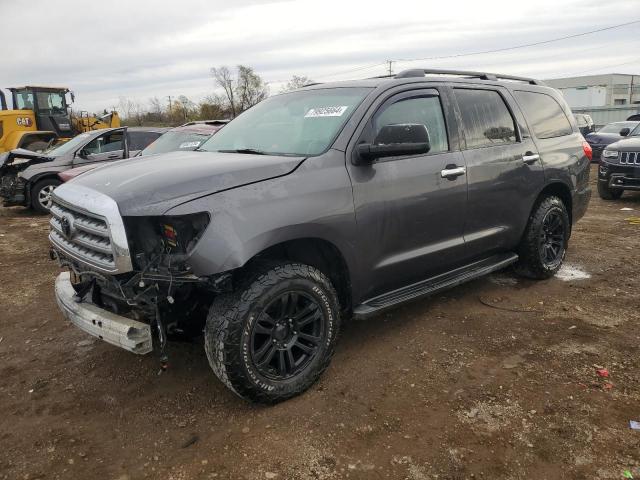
pixel 49 105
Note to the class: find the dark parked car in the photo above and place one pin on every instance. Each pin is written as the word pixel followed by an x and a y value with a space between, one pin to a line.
pixel 585 123
pixel 27 178
pixel 610 133
pixel 183 138
pixel 332 201
pixel 620 167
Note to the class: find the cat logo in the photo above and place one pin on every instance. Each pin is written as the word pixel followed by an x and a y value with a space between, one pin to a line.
pixel 24 121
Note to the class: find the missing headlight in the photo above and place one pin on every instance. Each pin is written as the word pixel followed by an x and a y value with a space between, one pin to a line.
pixel 153 237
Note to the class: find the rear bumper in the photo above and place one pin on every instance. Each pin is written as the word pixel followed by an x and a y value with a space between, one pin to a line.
pixel 117 330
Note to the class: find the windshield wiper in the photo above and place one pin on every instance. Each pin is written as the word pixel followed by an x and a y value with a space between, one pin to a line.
pixel 245 150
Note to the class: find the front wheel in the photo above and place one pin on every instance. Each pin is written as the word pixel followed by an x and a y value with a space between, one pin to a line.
pixel 607 193
pixel 545 240
pixel 272 338
pixel 41 194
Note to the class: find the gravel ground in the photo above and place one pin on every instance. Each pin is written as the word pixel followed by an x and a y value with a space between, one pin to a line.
pixel 496 379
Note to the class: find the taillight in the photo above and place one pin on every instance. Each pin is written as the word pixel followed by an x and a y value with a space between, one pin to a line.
pixel 588 151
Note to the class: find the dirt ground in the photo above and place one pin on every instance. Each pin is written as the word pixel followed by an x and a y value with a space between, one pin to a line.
pixel 492 380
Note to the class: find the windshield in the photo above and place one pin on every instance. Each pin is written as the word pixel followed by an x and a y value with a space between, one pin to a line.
pixel 66 147
pixel 616 127
pixel 172 141
pixel 299 123
pixel 50 102
pixel 636 131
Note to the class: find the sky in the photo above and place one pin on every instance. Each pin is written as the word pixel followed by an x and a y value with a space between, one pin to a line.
pixel 145 48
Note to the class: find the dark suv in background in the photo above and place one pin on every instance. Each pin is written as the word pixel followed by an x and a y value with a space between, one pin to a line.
pixel 334 201
pixel 610 133
pixel 619 168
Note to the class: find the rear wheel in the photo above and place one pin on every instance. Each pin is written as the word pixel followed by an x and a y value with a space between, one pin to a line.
pixel 272 338
pixel 41 194
pixel 544 244
pixel 607 193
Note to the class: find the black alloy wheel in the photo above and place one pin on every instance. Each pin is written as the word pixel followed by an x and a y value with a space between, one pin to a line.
pixel 552 239
pixel 286 335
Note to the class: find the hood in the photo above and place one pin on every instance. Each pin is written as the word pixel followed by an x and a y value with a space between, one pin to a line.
pixel 602 138
pixel 626 144
pixel 23 158
pixel 152 185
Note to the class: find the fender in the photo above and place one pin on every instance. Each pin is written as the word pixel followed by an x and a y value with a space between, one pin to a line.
pixel 248 220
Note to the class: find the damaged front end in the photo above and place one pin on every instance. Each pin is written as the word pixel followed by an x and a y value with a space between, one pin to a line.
pixel 155 288
pixel 13 188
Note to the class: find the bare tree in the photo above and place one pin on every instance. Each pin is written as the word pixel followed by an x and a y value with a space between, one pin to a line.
pixel 224 79
pixel 250 88
pixel 155 109
pixel 126 107
pixel 139 111
pixel 214 107
pixel 242 91
pixel 295 83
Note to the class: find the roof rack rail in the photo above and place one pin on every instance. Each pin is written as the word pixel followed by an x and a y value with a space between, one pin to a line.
pixel 421 72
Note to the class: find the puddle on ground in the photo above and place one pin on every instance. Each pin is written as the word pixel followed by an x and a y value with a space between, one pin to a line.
pixel 571 272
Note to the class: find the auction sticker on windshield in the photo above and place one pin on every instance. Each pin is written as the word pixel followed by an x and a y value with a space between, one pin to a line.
pixel 189 145
pixel 326 112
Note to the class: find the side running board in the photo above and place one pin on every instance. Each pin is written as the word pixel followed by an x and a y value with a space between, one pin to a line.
pixel 433 285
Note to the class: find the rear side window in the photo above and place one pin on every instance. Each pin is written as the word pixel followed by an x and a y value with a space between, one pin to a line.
pixel 485 117
pixel 544 114
pixel 140 140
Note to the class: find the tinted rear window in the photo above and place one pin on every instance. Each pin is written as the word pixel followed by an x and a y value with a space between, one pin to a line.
pixel 544 114
pixel 140 140
pixel 486 118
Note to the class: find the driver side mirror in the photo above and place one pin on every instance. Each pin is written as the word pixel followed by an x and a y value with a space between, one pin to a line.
pixel 625 131
pixel 395 140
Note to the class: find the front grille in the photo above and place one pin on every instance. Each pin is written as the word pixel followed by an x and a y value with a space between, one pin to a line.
pixel 83 237
pixel 630 158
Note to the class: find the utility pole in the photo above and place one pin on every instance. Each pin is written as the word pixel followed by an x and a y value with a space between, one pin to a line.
pixel 169 97
pixel 390 62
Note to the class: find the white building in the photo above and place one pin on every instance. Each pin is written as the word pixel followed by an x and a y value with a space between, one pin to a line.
pixel 608 90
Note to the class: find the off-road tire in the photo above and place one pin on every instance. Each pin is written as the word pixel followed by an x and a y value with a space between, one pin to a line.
pixel 607 193
pixel 530 263
pixel 230 319
pixel 38 189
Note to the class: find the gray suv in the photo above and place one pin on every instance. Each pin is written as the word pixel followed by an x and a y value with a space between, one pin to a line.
pixel 334 201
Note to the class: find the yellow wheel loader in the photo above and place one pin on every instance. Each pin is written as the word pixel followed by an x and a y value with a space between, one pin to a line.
pixel 42 116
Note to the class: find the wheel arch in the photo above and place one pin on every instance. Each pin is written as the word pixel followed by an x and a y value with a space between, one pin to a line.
pixel 318 253
pixel 26 137
pixel 31 181
pixel 560 190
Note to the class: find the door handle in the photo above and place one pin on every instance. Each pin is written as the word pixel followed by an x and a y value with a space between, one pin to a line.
pixel 113 156
pixel 452 173
pixel 530 158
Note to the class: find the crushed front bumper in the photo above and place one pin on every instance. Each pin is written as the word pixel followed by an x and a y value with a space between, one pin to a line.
pixel 13 190
pixel 120 331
